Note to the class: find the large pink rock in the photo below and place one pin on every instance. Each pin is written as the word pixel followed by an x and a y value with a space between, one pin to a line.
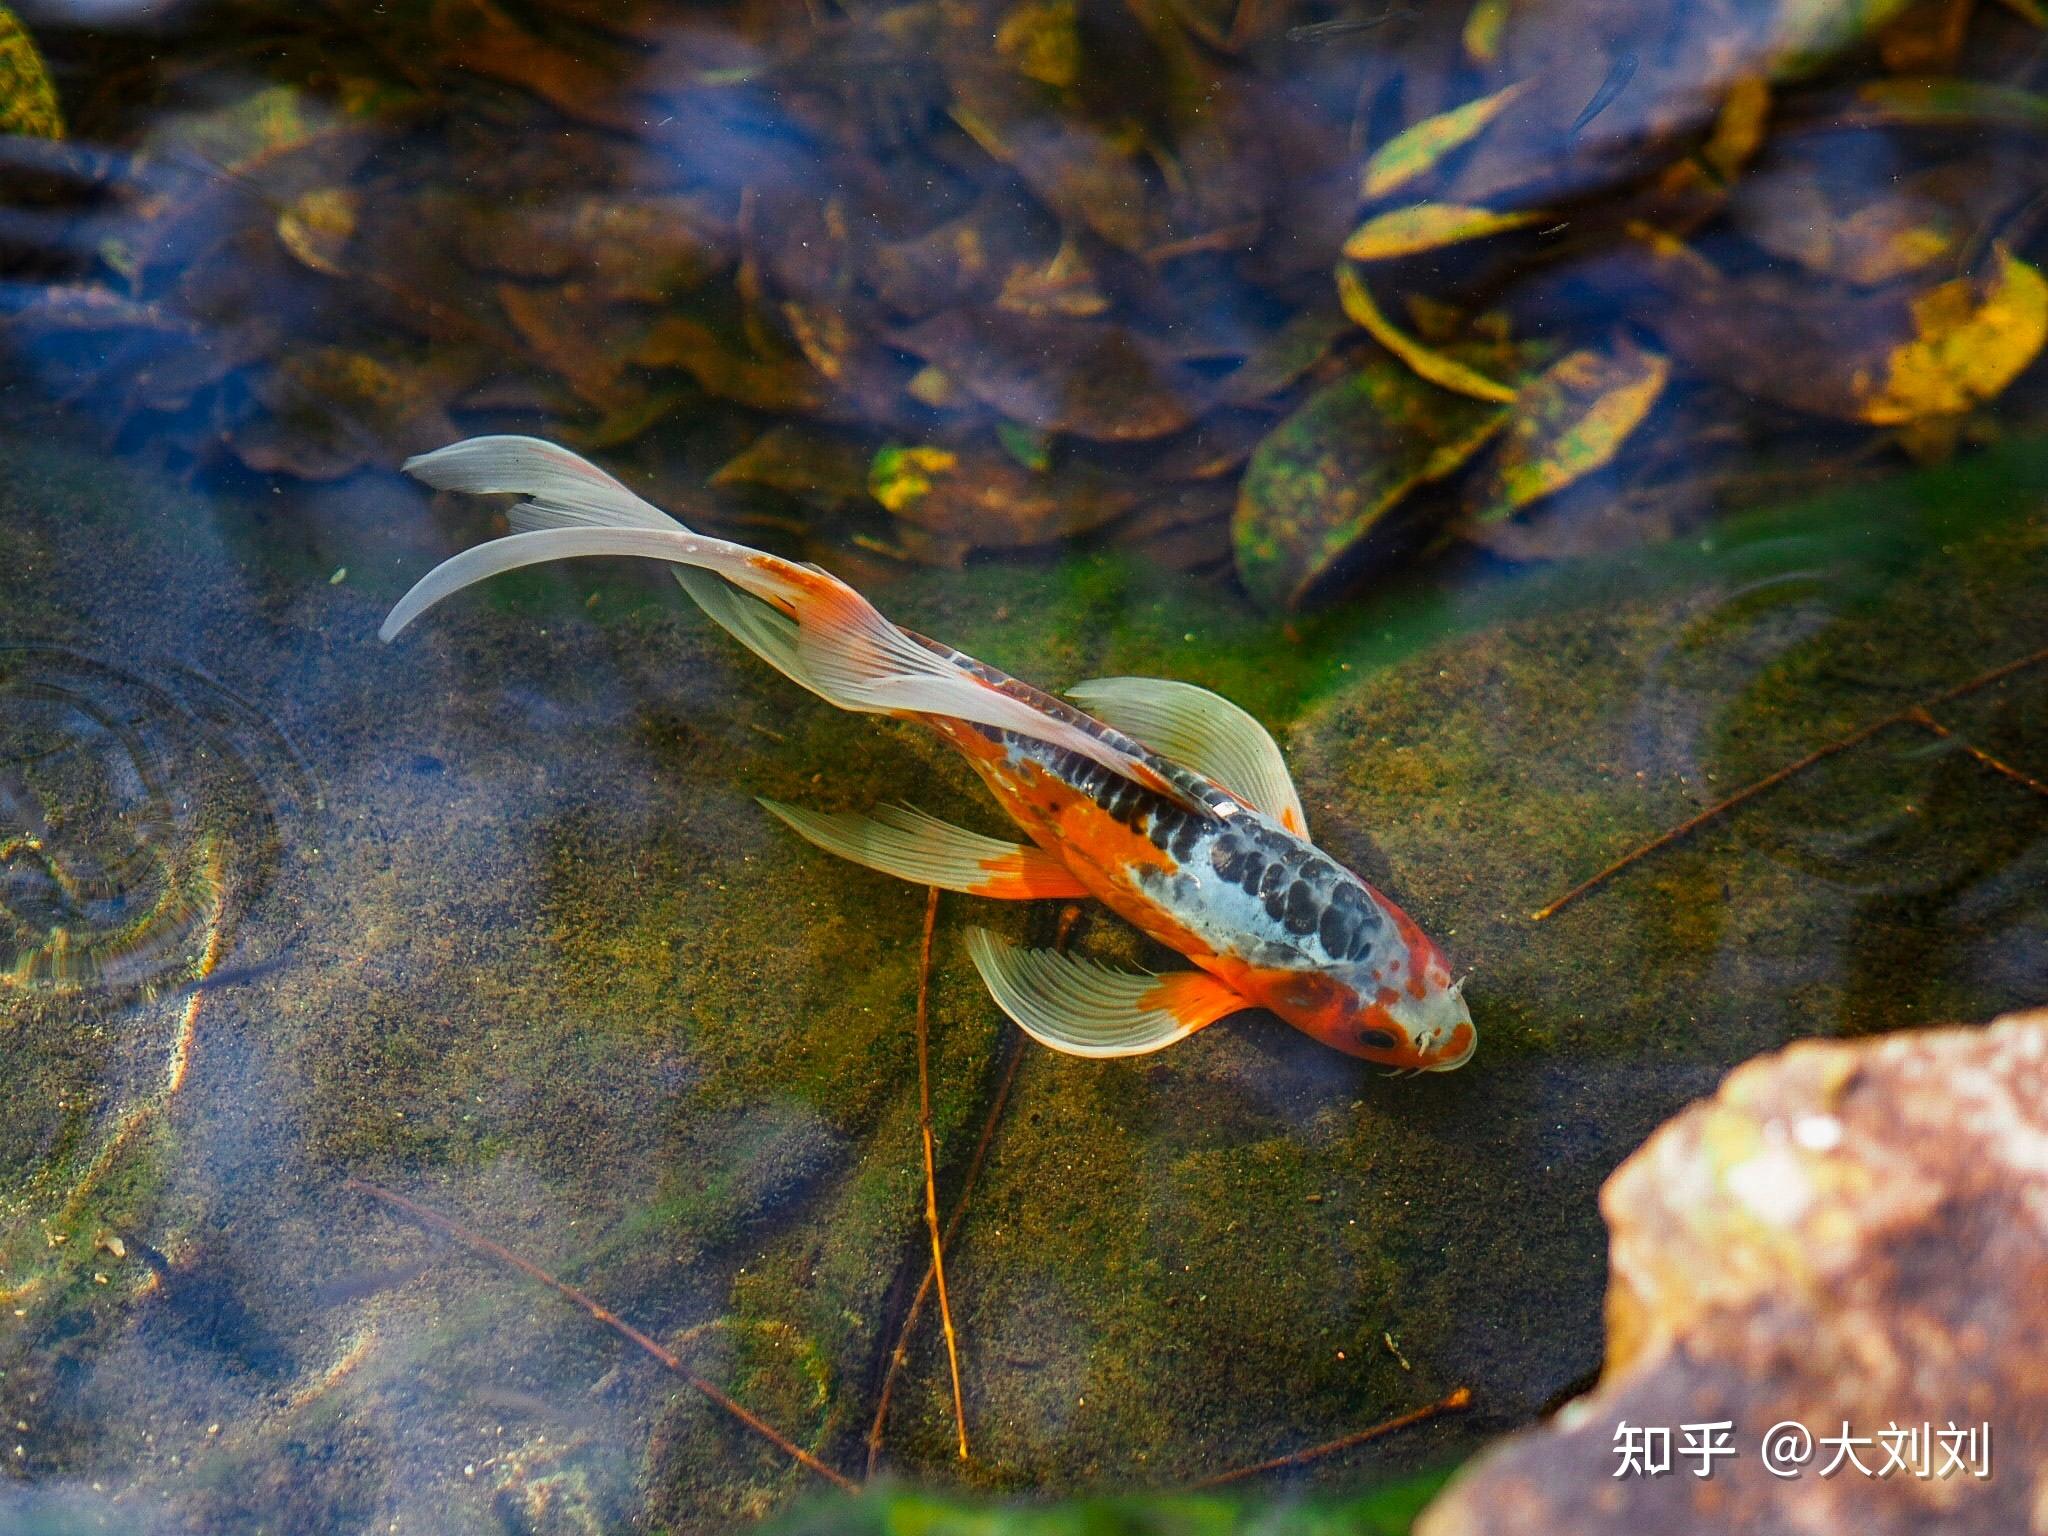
pixel 1848 1233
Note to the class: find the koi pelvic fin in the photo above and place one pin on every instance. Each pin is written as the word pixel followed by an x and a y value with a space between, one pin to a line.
pixel 1086 1009
pixel 803 621
pixel 910 845
pixel 1203 730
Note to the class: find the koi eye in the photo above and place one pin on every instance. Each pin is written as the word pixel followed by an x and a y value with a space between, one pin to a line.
pixel 1377 1039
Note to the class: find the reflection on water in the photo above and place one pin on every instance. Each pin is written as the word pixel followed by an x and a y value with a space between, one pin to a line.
pixel 1025 318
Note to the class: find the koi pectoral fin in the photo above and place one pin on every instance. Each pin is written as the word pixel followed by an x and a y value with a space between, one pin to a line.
pixel 912 846
pixel 1086 1009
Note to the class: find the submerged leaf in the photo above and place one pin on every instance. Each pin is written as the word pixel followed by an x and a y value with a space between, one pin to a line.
pixel 1426 226
pixel 1810 34
pixel 1938 102
pixel 318 227
pixel 1415 150
pixel 332 411
pixel 1569 421
pixel 776 383
pixel 28 102
pixel 1738 127
pixel 1041 41
pixel 1484 24
pixel 1327 476
pixel 1430 364
pixel 1881 359
pixel 900 475
pixel 947 502
pixel 1059 374
pixel 1970 342
pixel 799 460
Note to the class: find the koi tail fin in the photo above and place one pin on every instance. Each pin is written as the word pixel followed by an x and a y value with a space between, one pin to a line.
pixel 806 623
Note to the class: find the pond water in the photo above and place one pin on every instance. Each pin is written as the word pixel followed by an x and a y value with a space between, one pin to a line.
pixel 337 978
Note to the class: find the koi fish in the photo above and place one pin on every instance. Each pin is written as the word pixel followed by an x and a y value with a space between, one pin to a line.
pixel 1165 802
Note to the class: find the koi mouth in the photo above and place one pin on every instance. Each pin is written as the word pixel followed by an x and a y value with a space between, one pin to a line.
pixel 1464 1041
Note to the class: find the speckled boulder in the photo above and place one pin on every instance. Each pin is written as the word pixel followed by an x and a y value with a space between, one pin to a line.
pixel 1847 1234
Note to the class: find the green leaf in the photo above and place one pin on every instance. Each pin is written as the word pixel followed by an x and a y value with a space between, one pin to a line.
pixel 1417 149
pixel 1326 477
pixel 1437 367
pixel 1569 421
pixel 1428 226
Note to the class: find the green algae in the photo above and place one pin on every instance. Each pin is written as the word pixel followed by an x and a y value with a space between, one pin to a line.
pixel 554 973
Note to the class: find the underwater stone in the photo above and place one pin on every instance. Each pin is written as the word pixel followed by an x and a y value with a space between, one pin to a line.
pixel 1846 1232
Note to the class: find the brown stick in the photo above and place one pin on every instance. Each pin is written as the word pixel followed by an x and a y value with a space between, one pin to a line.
pixel 611 1320
pixel 899 1355
pixel 1453 1403
pixel 1996 765
pixel 1013 1059
pixel 1912 714
pixel 931 1181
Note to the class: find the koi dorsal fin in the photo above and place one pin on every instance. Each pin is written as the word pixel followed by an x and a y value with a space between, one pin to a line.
pixel 1085 1009
pixel 1203 730
pixel 910 845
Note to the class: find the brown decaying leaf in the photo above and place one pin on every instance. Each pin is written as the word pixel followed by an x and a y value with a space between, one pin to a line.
pixel 332 412
pixel 784 385
pixel 1086 259
pixel 826 468
pixel 581 340
pixel 981 498
pixel 644 247
pixel 1059 374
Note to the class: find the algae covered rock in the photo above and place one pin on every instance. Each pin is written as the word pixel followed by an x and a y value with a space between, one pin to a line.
pixel 1840 1262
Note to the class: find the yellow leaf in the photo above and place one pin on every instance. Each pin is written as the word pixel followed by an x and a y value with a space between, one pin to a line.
pixel 1738 127
pixel 1445 372
pixel 1568 421
pixel 1414 150
pixel 28 101
pixel 1484 24
pixel 318 227
pixel 1042 42
pixel 1969 342
pixel 1426 226
pixel 899 476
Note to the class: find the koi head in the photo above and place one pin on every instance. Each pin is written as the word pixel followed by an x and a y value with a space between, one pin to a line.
pixel 1402 1012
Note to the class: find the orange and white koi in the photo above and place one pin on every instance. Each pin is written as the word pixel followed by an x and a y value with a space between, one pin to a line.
pixel 1170 805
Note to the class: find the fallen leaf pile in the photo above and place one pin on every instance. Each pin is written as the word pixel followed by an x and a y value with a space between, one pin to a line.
pixel 1295 290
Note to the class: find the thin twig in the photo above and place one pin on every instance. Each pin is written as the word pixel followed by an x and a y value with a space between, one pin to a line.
pixel 611 1320
pixel 901 1353
pixel 1912 714
pixel 931 1181
pixel 1996 765
pixel 1454 1403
